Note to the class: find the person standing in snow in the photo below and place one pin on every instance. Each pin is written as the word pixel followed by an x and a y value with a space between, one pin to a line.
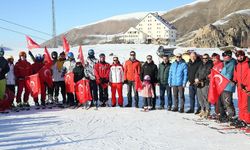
pixel 36 67
pixel 22 69
pixel 69 65
pixel 11 77
pixel 116 78
pixel 78 75
pixel 131 68
pixel 218 65
pixel 227 95
pixel 242 78
pixel 193 66
pixel 102 69
pixel 58 77
pixel 163 81
pixel 89 73
pixel 4 69
pixel 177 80
pixel 149 68
pixel 148 93
pixel 202 83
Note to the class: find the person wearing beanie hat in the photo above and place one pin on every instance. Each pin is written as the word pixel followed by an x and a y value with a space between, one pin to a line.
pixel 227 95
pixel 241 78
pixel 4 68
pixel 148 93
pixel 91 61
pixel 101 71
pixel 132 68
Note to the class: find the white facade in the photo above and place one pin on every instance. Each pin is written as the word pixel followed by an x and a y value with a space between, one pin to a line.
pixel 155 27
pixel 134 35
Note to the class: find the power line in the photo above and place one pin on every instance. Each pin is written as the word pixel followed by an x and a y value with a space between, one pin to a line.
pixel 26 27
pixel 37 37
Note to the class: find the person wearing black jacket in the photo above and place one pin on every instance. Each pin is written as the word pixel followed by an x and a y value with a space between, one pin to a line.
pixel 163 73
pixel 149 68
pixel 202 83
pixel 193 66
pixel 4 69
pixel 78 75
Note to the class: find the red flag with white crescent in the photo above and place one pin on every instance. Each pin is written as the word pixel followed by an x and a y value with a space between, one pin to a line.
pixel 45 75
pixel 33 84
pixel 31 44
pixel 217 85
pixel 69 82
pixel 66 46
pixel 83 93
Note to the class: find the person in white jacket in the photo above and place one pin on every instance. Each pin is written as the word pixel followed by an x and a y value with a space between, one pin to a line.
pixel 116 79
pixel 10 76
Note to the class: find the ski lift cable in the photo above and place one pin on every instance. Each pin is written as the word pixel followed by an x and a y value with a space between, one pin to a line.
pixel 26 27
pixel 37 37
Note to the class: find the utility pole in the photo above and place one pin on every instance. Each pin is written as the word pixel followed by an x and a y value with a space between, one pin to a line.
pixel 54 25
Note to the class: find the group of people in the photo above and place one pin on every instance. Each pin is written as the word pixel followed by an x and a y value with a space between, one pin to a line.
pixel 172 79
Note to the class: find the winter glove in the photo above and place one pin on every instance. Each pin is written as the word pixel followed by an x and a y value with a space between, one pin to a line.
pixel 102 80
pixel 125 82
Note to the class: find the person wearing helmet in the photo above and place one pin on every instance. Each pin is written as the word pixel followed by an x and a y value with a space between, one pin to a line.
pixel 4 68
pixel 36 67
pixel 102 70
pixel 68 67
pixel 89 73
pixel 11 77
pixel 58 77
pixel 22 69
pixel 241 78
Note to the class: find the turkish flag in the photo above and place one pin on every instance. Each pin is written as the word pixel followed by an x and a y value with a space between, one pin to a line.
pixel 47 58
pixel 69 82
pixel 80 55
pixel 31 44
pixel 66 46
pixel 83 91
pixel 217 84
pixel 33 84
pixel 45 75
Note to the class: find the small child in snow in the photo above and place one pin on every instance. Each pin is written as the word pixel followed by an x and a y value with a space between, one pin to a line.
pixel 147 93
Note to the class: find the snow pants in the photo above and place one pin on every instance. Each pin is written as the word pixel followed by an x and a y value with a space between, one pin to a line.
pixel 20 86
pixel 243 105
pixel 117 87
pixel 2 88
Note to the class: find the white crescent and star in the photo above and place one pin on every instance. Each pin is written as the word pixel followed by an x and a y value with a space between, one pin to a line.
pixel 219 77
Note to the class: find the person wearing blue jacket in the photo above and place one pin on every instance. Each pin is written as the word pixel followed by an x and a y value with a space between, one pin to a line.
pixel 227 95
pixel 178 76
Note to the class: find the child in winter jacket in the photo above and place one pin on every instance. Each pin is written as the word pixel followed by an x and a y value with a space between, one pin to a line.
pixel 147 92
pixel 11 77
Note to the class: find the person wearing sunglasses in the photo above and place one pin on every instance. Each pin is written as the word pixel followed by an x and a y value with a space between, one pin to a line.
pixel 242 78
pixel 131 68
pixel 116 79
pixel 178 76
pixel 150 68
pixel 227 95
pixel 202 83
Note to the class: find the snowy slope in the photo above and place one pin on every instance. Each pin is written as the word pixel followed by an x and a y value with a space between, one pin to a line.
pixel 113 128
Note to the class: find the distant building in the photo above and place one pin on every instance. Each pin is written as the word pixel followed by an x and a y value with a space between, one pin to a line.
pixel 152 29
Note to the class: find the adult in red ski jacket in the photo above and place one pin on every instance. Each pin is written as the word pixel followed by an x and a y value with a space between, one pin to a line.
pixel 22 69
pixel 116 79
pixel 132 68
pixel 101 70
pixel 241 78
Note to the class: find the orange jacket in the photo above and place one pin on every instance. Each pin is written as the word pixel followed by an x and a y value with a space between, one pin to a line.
pixel 130 69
